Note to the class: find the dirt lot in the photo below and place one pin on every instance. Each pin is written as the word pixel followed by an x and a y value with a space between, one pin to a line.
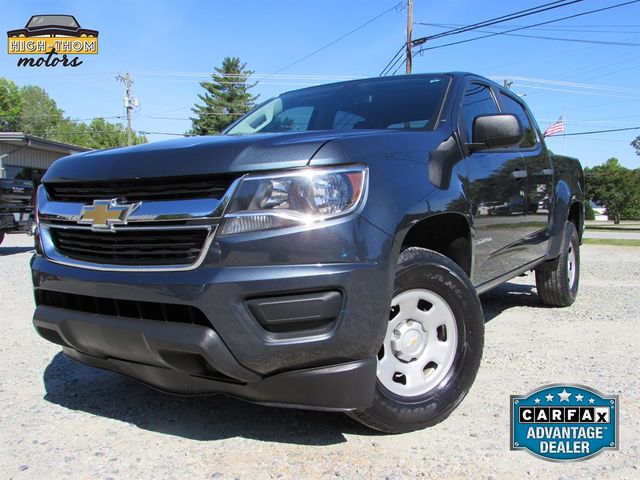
pixel 59 419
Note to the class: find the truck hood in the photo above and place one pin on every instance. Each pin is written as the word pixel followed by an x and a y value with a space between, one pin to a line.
pixel 197 156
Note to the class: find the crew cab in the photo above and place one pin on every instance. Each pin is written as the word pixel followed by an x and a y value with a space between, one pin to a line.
pixel 326 252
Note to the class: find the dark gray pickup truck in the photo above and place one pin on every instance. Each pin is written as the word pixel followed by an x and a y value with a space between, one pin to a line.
pixel 326 252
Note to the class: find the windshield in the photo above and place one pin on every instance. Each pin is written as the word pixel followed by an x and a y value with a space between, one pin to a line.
pixel 408 103
pixel 52 20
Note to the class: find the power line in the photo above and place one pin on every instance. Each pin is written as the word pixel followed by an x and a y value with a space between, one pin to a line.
pixel 560 39
pixel 504 18
pixel 563 83
pixel 492 21
pixel 253 75
pixel 143 132
pixel 529 26
pixel 593 132
pixel 389 66
pixel 596 94
pixel 561 28
pixel 332 42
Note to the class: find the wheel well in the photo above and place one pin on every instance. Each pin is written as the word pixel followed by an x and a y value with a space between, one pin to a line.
pixel 447 233
pixel 576 216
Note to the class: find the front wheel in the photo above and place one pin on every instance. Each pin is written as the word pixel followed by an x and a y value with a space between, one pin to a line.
pixel 432 349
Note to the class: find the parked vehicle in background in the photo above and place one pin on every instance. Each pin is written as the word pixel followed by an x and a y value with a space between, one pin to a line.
pixel 326 252
pixel 16 206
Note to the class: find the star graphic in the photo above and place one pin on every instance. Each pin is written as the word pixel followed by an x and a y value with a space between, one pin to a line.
pixel 536 400
pixel 592 401
pixel 579 397
pixel 549 397
pixel 564 395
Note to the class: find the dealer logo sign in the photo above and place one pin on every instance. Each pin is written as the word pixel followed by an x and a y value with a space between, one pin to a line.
pixel 52 40
pixel 564 422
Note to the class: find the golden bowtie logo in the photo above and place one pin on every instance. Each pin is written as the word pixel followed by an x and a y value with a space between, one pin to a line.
pixel 104 214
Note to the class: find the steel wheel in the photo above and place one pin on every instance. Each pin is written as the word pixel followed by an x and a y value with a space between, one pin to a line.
pixel 571 266
pixel 420 344
pixel 558 285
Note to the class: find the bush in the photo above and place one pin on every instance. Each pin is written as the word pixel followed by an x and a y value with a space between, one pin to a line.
pixel 589 214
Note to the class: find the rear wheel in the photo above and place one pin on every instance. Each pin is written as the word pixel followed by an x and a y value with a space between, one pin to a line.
pixel 432 349
pixel 559 287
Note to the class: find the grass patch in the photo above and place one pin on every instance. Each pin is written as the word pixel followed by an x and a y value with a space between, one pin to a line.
pixel 620 242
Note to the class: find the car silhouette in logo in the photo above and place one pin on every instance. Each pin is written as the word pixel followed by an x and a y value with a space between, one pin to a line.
pixel 52 25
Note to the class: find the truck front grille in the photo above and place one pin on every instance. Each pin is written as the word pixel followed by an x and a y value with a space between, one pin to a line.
pixel 163 312
pixel 131 247
pixel 150 189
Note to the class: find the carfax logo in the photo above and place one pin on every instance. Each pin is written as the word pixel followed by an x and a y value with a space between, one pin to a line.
pixel 53 37
pixel 564 422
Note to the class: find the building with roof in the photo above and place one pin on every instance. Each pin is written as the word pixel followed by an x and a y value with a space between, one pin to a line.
pixel 27 157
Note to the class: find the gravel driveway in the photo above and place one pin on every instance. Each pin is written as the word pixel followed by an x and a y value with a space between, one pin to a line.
pixel 59 419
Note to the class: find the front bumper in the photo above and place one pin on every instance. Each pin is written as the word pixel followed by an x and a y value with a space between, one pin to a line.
pixel 178 358
pixel 331 366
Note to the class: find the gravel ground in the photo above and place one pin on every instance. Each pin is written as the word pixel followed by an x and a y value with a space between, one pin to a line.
pixel 59 419
pixel 618 234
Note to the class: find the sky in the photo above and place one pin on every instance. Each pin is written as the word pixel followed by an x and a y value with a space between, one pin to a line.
pixel 588 67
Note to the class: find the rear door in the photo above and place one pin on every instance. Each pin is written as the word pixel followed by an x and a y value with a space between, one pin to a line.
pixel 539 181
pixel 496 189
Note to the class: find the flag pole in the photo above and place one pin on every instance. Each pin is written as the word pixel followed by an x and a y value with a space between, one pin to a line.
pixel 564 130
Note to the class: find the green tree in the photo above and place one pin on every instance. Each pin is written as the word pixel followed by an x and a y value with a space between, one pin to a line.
pixel 10 106
pixel 39 113
pixel 589 214
pixel 617 188
pixel 226 97
pixel 29 109
pixel 636 144
pixel 96 134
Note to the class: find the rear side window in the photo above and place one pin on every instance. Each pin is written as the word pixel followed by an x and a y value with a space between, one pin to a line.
pixel 477 101
pixel 514 107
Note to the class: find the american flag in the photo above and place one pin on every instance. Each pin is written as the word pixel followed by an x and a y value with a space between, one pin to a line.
pixel 557 127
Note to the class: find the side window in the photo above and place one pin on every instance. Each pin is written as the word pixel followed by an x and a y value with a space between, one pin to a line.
pixel 515 108
pixel 477 101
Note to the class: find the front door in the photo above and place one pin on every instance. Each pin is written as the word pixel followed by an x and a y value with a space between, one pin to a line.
pixel 496 188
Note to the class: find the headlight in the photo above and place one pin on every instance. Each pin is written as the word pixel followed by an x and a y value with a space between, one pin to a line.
pixel 278 200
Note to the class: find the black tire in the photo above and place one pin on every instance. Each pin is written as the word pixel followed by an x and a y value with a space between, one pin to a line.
pixel 555 288
pixel 419 268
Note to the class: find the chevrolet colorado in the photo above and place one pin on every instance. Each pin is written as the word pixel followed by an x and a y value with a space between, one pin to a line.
pixel 326 252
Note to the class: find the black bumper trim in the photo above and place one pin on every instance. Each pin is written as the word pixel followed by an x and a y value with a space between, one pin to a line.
pixel 341 388
pixel 187 359
pixel 192 349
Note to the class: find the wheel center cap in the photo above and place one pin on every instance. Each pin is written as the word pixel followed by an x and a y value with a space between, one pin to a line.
pixel 408 341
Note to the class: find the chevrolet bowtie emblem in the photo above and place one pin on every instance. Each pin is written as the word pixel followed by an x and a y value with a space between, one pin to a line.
pixel 104 214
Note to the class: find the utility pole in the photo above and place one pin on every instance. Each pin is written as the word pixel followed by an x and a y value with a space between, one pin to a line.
pixel 129 102
pixel 409 34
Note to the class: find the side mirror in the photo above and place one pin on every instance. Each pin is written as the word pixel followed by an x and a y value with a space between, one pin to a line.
pixel 494 131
